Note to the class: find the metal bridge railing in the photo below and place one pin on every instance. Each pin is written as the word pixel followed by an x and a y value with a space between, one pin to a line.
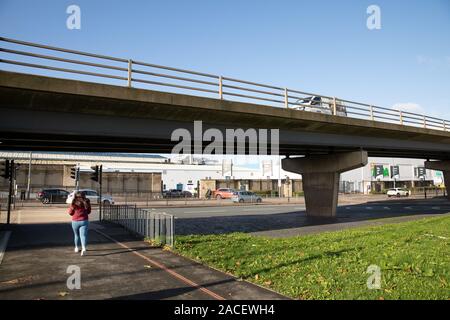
pixel 139 74
pixel 156 226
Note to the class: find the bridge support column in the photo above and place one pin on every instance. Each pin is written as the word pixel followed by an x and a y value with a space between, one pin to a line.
pixel 320 177
pixel 444 166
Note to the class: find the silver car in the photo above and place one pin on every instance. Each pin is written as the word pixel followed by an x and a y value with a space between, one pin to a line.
pixel 92 195
pixel 245 196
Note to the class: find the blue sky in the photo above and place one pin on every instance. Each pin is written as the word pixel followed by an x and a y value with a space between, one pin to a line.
pixel 318 46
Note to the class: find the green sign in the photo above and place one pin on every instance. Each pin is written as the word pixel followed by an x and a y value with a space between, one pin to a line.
pixel 379 170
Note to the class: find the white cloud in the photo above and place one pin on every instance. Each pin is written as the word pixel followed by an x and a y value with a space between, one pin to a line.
pixel 433 62
pixel 409 107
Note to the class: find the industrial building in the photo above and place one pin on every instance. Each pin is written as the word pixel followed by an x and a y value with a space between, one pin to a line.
pixel 146 173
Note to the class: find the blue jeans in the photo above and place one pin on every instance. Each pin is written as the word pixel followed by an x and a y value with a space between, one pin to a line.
pixel 80 231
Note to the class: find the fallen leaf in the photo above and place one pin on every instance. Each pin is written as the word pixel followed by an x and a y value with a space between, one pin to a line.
pixel 148 266
pixel 63 293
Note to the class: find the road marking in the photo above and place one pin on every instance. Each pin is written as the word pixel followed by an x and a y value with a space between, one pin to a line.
pixel 163 267
pixel 3 243
pixel 369 208
pixel 386 208
pixel 259 209
pixel 436 208
pixel 408 208
pixel 348 208
pixel 215 211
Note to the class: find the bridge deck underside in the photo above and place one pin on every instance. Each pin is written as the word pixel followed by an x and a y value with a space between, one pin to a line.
pixel 39 113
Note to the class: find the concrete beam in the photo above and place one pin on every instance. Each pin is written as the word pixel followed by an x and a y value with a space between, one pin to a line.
pixel 443 166
pixel 320 175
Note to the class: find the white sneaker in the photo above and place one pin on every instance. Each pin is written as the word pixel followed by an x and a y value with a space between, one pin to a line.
pixel 76 249
pixel 83 251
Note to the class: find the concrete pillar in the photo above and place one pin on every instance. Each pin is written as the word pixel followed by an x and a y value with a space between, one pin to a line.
pixel 320 177
pixel 444 166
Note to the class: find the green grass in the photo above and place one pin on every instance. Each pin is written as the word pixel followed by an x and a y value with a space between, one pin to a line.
pixel 414 258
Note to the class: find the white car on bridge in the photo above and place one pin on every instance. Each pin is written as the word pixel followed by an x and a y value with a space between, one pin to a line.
pixel 320 105
pixel 398 192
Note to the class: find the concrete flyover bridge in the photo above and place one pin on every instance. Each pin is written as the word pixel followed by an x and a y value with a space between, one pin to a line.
pixel 59 99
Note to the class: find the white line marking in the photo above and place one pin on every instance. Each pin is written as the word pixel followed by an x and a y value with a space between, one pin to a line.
pixel 408 208
pixel 369 208
pixel 436 208
pixel 386 208
pixel 217 211
pixel 3 244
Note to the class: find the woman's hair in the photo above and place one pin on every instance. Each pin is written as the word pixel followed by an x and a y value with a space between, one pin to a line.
pixel 80 200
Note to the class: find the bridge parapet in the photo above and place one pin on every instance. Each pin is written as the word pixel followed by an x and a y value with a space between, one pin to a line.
pixel 137 74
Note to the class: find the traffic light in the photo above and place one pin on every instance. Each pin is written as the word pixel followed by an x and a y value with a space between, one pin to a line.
pixel 5 169
pixel 74 173
pixel 96 174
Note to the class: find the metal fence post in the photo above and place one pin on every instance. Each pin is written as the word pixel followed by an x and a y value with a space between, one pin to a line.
pixel 371 113
pixel 152 225
pixel 401 117
pixel 156 225
pixel 135 219
pixel 130 70
pixel 424 121
pixel 334 106
pixel 286 98
pixel 171 231
pixel 220 88
pixel 146 223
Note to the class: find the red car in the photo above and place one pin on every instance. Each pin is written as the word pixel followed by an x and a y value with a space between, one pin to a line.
pixel 223 193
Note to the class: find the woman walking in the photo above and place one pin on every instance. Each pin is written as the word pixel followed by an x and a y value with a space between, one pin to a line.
pixel 80 210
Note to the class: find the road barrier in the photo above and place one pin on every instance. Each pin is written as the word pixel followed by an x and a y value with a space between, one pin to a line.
pixel 155 226
pixel 139 74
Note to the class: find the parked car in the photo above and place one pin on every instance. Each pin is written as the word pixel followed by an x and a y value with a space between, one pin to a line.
pixel 92 195
pixel 246 196
pixel 320 105
pixel 398 192
pixel 223 193
pixel 52 195
pixel 175 193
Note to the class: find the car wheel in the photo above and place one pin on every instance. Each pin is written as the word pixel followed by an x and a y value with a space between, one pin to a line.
pixel 106 202
pixel 398 195
pixel 218 197
pixel 241 200
pixel 389 195
pixel 258 200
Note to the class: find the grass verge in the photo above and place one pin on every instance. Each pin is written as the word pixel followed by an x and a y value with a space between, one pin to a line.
pixel 413 257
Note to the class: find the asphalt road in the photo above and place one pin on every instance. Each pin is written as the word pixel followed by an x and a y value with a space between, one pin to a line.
pixel 291 220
